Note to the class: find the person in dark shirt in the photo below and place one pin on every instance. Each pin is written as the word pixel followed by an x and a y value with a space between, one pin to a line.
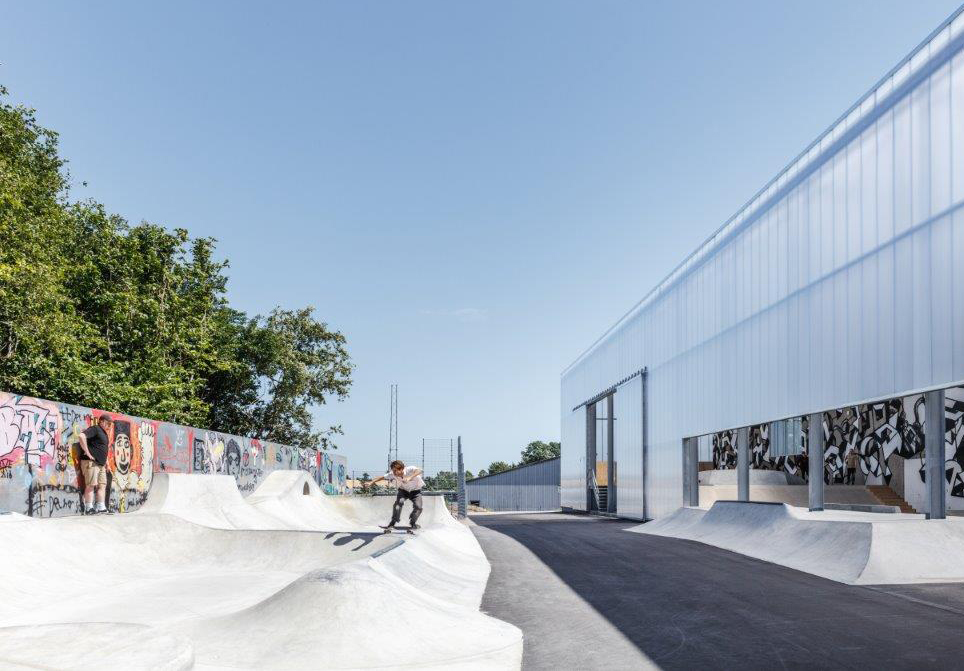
pixel 94 443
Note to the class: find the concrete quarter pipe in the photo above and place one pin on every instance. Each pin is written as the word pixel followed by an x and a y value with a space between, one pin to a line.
pixel 288 578
pixel 856 548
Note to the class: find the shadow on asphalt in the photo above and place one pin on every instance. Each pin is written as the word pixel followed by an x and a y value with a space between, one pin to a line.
pixel 685 604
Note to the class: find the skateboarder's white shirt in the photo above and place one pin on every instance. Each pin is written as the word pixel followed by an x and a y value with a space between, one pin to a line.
pixel 410 486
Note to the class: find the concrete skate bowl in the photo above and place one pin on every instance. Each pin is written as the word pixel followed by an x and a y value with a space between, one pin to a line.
pixel 260 586
pixel 849 547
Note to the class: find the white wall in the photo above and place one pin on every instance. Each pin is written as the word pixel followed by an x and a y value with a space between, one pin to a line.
pixel 835 284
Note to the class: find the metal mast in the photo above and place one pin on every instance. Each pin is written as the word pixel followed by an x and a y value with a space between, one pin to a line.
pixel 393 425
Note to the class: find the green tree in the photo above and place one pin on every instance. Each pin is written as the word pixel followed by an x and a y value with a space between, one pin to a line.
pixel 538 450
pixel 43 346
pixel 97 312
pixel 483 473
pixel 442 481
pixel 286 364
pixel 498 467
pixel 468 475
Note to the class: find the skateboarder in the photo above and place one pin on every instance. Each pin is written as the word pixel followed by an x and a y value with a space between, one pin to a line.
pixel 409 481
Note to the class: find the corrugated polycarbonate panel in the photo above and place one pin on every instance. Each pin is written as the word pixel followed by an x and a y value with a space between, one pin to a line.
pixel 573 460
pixel 534 487
pixel 840 282
pixel 628 448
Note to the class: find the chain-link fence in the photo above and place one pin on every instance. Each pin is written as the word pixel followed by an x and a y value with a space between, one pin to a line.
pixel 439 460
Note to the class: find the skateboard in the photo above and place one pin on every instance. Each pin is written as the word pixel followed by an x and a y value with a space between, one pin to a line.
pixel 387 529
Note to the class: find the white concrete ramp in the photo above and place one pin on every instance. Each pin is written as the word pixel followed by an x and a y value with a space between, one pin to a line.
pixel 850 547
pixel 288 578
pixel 729 477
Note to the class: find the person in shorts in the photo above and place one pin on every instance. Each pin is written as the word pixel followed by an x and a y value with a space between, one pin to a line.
pixel 94 443
pixel 409 481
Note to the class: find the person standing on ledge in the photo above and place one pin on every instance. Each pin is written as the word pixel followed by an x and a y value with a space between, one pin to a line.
pixel 93 464
pixel 409 481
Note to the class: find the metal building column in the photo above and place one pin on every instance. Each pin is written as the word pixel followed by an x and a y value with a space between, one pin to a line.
pixel 815 451
pixel 611 455
pixel 691 472
pixel 645 464
pixel 934 427
pixel 591 457
pixel 743 464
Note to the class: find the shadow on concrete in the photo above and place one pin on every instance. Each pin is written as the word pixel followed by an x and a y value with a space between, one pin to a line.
pixel 344 538
pixel 684 604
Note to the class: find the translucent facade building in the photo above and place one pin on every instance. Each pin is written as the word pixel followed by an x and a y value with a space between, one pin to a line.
pixel 838 286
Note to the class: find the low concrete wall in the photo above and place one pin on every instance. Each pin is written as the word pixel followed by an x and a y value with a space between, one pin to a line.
pixel 729 477
pixel 40 460
pixel 794 495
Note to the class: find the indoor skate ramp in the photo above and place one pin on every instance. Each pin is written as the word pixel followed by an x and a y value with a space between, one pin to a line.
pixel 849 547
pixel 273 581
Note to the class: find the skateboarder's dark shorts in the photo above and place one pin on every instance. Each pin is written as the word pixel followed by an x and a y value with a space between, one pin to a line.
pixel 415 497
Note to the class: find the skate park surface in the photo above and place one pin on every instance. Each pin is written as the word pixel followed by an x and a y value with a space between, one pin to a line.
pixel 287 578
pixel 858 548
pixel 589 595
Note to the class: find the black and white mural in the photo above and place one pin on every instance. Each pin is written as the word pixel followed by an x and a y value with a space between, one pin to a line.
pixel 876 432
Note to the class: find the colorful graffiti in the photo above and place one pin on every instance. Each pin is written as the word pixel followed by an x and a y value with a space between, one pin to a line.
pixel 40 467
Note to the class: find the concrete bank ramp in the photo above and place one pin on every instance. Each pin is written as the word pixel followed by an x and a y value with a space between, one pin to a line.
pixel 208 500
pixel 849 547
pixel 274 581
pixel 729 477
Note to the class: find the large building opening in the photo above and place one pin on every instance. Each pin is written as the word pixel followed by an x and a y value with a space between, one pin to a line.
pixel 600 456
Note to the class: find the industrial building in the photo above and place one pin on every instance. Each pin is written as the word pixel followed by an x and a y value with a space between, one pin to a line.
pixel 530 487
pixel 828 310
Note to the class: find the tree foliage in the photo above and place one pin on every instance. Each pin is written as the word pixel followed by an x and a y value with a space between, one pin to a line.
pixel 538 450
pixel 97 312
pixel 498 467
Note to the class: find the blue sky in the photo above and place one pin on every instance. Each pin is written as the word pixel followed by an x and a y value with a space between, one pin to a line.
pixel 471 192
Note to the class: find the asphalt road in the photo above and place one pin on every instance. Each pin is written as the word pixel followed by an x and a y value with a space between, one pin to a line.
pixel 589 595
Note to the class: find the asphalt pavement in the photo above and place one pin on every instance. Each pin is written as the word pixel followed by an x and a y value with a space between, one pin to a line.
pixel 589 595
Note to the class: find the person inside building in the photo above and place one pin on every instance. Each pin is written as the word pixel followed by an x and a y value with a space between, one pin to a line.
pixel 852 462
pixel 94 442
pixel 409 481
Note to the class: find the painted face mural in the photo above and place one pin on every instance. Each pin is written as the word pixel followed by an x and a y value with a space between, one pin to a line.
pixel 233 458
pixel 123 450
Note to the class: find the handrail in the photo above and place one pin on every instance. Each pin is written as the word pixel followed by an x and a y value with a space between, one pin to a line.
pixel 595 488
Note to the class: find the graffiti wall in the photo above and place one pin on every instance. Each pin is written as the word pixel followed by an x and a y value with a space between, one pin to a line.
pixel 887 439
pixel 40 471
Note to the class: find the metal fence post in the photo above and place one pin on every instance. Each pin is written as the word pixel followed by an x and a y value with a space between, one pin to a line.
pixel 461 483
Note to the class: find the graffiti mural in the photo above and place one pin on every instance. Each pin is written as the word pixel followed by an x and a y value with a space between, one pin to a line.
pixel 954 441
pixel 875 432
pixel 724 450
pixel 172 448
pixel 40 457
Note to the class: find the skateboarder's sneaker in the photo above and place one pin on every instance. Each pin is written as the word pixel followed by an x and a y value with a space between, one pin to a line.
pixel 416 526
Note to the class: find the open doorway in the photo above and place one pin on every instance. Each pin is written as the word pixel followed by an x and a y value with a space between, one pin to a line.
pixel 600 456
